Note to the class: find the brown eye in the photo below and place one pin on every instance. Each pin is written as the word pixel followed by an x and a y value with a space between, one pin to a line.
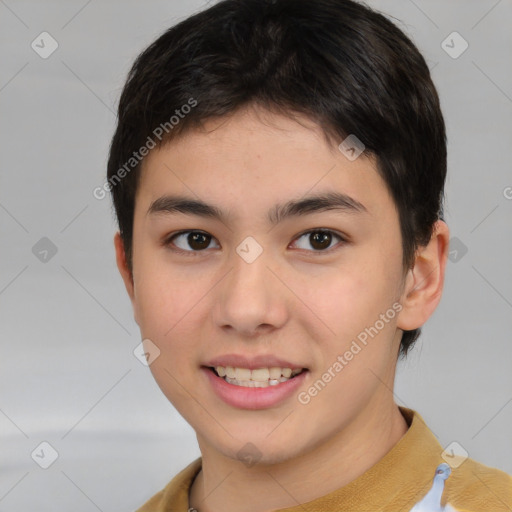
pixel 198 241
pixel 190 241
pixel 319 240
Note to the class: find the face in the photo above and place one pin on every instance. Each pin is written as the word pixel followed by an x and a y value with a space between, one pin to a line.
pixel 265 278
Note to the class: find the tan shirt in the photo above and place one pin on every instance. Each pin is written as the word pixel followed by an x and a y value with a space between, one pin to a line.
pixel 397 482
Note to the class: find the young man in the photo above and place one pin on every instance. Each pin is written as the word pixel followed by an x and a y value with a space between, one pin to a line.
pixel 277 173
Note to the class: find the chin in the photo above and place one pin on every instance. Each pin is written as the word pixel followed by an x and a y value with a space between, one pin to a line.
pixel 258 449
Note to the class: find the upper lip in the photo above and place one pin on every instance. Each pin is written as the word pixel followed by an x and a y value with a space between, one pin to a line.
pixel 254 362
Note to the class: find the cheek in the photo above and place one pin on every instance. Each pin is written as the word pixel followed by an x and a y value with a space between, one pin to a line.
pixel 355 319
pixel 348 299
pixel 172 308
pixel 167 309
pixel 155 303
pixel 162 296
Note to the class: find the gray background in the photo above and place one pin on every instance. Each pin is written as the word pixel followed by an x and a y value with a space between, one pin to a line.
pixel 68 373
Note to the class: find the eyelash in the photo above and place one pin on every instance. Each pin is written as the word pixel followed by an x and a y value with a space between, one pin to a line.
pixel 169 241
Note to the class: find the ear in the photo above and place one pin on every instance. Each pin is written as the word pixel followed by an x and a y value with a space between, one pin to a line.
pixel 124 270
pixel 424 281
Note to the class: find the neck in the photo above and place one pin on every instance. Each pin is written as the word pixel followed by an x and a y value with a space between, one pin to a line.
pixel 224 484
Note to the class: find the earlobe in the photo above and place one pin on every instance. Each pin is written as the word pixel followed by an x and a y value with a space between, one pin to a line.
pixel 424 281
pixel 122 265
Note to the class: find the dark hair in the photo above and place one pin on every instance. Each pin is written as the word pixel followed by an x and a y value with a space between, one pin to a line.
pixel 345 66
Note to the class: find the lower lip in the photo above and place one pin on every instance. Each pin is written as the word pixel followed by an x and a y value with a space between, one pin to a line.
pixel 253 398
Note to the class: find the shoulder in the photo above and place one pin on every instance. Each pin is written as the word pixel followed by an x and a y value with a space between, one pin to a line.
pixel 154 504
pixel 478 488
pixel 469 485
pixel 175 493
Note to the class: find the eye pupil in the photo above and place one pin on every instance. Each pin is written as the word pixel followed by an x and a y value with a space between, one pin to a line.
pixel 198 241
pixel 321 238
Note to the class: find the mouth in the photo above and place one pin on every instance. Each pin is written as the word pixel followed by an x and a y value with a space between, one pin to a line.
pixel 255 383
pixel 256 378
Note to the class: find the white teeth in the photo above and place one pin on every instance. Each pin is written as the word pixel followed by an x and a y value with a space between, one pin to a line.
pixel 275 372
pixel 261 374
pixel 247 383
pixel 242 374
pixel 257 378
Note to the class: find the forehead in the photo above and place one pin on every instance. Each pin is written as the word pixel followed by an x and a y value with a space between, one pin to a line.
pixel 254 159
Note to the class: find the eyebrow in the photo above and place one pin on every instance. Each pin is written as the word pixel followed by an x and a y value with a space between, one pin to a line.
pixel 170 204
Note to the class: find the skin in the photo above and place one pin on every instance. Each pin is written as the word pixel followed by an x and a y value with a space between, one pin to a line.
pixel 301 304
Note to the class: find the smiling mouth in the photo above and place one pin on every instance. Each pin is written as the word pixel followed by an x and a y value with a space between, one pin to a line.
pixel 257 378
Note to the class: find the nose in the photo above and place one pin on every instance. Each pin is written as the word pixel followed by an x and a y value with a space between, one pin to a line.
pixel 250 300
